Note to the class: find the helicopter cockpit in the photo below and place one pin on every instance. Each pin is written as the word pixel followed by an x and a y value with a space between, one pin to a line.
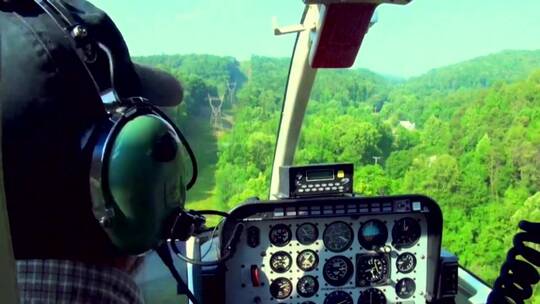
pixel 315 240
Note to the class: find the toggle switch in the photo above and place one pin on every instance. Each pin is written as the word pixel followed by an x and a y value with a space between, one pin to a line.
pixel 255 276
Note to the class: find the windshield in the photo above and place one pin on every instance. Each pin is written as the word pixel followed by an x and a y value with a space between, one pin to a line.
pixel 443 100
pixel 449 110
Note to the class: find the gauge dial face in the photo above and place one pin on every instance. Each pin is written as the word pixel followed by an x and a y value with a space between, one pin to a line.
pixel 406 233
pixel 338 297
pixel 307 286
pixel 372 296
pixel 307 233
pixel 373 234
pixel 405 288
pixel 281 288
pixel 307 260
pixel 371 269
pixel 338 270
pixel 280 262
pixel 406 262
pixel 280 235
pixel 338 236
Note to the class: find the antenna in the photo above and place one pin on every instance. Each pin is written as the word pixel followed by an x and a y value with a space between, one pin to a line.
pixel 215 116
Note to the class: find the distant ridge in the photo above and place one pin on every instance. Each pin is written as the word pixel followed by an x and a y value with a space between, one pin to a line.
pixel 480 72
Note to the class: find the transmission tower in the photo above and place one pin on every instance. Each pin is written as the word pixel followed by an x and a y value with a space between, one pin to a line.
pixel 231 87
pixel 215 106
pixel 376 159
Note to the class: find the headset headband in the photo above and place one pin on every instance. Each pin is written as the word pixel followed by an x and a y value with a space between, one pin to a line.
pixel 82 43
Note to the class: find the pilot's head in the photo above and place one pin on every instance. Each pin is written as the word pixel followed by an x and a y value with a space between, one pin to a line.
pixel 75 186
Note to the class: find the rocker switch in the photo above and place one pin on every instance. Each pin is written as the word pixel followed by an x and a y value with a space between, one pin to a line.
pixel 255 276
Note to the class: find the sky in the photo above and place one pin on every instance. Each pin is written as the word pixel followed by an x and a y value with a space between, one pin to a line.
pixel 406 41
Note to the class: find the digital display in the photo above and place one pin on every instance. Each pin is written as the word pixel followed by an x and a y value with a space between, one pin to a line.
pixel 319 175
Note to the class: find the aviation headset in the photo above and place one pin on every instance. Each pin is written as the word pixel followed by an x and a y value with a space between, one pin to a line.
pixel 137 176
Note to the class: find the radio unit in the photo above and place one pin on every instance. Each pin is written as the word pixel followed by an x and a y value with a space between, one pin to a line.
pixel 316 180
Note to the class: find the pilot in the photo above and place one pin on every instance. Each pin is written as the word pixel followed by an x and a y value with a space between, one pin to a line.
pixel 49 113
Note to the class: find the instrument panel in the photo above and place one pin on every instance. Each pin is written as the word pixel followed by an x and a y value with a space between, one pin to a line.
pixel 335 251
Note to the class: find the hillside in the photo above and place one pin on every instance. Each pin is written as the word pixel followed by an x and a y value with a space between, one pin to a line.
pixel 481 72
pixel 442 92
pixel 471 140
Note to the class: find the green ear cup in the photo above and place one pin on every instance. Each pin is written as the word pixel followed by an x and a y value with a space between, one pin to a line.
pixel 146 182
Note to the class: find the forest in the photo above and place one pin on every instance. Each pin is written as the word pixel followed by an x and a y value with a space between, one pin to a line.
pixel 468 135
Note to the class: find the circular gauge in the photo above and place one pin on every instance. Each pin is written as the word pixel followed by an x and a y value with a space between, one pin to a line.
pixel 405 288
pixel 280 262
pixel 280 235
pixel 338 270
pixel 338 236
pixel 373 234
pixel 371 269
pixel 372 296
pixel 406 262
pixel 338 297
pixel 307 286
pixel 307 260
pixel 307 233
pixel 281 288
pixel 405 233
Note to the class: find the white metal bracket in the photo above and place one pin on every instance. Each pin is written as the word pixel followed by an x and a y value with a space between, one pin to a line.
pixel 289 29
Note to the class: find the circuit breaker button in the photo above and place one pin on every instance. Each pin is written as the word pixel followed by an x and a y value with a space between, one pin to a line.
pixel 253 237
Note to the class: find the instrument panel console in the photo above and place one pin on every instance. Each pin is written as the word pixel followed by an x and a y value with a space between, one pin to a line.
pixel 334 250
